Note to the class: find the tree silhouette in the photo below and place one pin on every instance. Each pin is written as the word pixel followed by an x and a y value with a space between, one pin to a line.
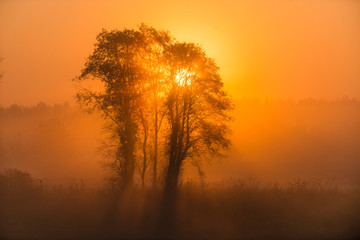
pixel 197 114
pixel 157 42
pixel 197 108
pixel 128 64
pixel 115 63
pixel 155 87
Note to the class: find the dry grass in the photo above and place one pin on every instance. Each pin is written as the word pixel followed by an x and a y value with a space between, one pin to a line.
pixel 230 210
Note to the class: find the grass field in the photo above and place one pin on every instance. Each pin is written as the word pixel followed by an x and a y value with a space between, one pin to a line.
pixel 228 210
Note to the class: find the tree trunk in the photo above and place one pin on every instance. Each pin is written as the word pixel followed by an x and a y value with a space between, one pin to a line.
pixel 155 160
pixel 169 202
pixel 129 149
pixel 143 171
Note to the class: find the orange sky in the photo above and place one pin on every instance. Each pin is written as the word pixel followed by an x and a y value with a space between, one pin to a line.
pixel 275 49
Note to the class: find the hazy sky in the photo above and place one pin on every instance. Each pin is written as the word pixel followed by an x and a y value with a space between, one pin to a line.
pixel 275 49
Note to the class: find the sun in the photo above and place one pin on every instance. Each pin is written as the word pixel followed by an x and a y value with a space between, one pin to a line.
pixel 184 77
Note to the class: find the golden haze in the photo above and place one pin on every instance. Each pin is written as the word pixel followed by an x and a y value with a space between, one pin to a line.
pixel 275 49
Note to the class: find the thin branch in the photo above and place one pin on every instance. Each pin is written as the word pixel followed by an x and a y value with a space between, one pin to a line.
pixel 103 108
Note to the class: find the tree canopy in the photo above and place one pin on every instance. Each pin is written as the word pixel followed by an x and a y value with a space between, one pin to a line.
pixel 164 101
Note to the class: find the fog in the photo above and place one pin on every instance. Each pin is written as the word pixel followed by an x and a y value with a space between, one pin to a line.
pixel 286 139
pixel 54 142
pixel 292 173
pixel 274 140
pixel 278 48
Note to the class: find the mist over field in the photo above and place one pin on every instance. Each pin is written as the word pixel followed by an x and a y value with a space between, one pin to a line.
pixel 179 119
pixel 274 140
pixel 295 176
pixel 54 142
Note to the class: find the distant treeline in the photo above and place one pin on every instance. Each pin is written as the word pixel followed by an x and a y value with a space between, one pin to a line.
pixel 44 107
pixel 275 138
pixel 41 107
pixel 54 141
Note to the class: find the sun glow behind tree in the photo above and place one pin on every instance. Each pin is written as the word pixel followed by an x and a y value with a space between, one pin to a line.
pixel 164 100
pixel 184 77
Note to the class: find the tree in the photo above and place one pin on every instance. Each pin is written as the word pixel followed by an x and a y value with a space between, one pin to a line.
pixel 155 62
pixel 128 64
pixel 197 108
pixel 115 63
pixel 16 181
pixel 197 114
pixel 150 80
